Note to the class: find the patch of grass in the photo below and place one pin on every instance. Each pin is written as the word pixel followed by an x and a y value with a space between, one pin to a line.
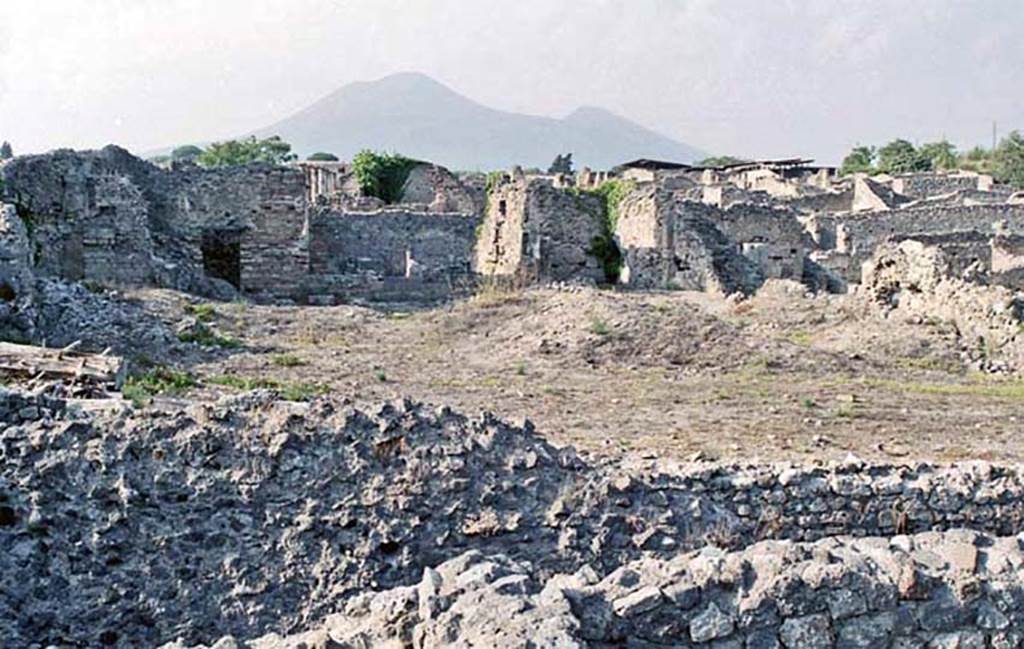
pixel 997 389
pixel 288 360
pixel 141 388
pixel 521 368
pixel 599 327
pixel 553 391
pixel 946 365
pixel 846 411
pixel 289 391
pixel 808 403
pixel 202 312
pixel 801 338
pixel 381 376
pixel 209 338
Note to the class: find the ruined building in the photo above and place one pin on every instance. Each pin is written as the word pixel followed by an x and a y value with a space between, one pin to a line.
pixel 307 233
pixel 268 232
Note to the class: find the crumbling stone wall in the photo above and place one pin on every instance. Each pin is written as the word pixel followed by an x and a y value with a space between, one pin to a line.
pixel 957 589
pixel 926 185
pixel 857 235
pixel 538 232
pixel 441 191
pixel 390 253
pixel 1008 260
pixel 669 242
pixel 109 216
pixel 917 280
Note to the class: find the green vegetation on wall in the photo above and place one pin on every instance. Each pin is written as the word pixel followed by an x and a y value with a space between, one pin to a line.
pixel 603 246
pixel 382 175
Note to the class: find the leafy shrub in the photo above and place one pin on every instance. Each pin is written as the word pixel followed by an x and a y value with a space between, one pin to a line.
pixel 382 175
pixel 603 246
pixel 160 380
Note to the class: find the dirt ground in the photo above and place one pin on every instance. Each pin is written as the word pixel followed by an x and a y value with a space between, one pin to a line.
pixel 782 376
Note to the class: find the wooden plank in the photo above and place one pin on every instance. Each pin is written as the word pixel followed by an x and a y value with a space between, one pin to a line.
pixel 69 364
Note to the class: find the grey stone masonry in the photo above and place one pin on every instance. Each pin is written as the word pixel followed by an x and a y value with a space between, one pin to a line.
pixel 951 589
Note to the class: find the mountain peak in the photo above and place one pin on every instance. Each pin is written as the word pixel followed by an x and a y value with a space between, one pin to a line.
pixel 418 116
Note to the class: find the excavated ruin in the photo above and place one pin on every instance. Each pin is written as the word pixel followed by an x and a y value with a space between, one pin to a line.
pixel 418 526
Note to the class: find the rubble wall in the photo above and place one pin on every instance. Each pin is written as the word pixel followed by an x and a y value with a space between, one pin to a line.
pixel 944 590
pixel 927 185
pixel 253 515
pixel 391 253
pixel 858 235
pixel 537 231
pixel 683 244
pixel 111 217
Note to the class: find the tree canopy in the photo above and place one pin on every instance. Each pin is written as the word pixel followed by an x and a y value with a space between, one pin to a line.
pixel 6 152
pixel 1005 163
pixel 272 150
pixel 321 156
pixel 562 164
pixel 720 161
pixel 186 152
pixel 901 156
pixel 860 160
pixel 1008 160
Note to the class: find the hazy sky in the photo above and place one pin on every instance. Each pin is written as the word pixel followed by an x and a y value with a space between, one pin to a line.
pixel 746 77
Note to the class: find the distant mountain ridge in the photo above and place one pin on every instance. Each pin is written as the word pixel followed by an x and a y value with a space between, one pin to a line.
pixel 415 115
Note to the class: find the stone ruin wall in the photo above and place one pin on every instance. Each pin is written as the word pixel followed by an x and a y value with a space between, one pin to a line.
pixel 110 217
pixel 927 185
pixel 669 242
pixel 856 236
pixel 107 216
pixel 392 253
pixel 534 231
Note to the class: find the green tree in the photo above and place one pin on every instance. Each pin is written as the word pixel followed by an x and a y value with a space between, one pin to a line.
pixel 861 159
pixel 382 174
pixel 272 150
pixel 977 159
pixel 720 161
pixel 320 156
pixel 1008 160
pixel 900 156
pixel 941 155
pixel 562 164
pixel 186 152
pixel 6 152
